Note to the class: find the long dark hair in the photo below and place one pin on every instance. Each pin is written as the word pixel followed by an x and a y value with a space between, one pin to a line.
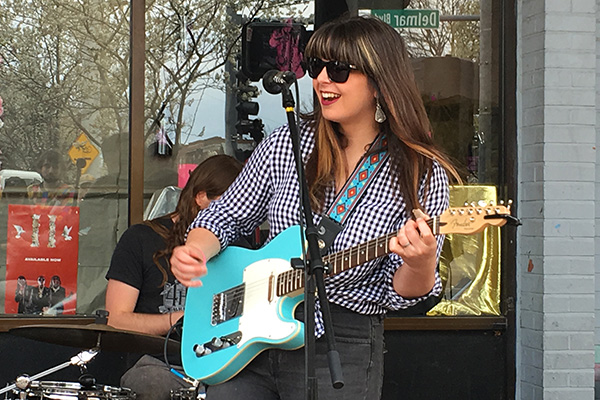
pixel 379 52
pixel 212 176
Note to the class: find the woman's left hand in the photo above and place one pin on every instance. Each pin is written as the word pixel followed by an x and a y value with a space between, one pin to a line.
pixel 415 243
pixel 417 246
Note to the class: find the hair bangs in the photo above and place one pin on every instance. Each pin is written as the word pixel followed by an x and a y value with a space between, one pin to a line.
pixel 346 43
pixel 336 43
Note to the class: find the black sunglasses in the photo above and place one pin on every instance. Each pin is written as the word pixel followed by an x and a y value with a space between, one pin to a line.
pixel 337 71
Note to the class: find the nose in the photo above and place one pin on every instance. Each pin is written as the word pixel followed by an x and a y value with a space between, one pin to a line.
pixel 323 77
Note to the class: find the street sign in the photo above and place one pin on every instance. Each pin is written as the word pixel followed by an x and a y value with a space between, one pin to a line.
pixel 411 18
pixel 83 149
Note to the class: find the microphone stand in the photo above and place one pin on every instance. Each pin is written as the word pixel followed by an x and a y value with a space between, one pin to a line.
pixel 313 272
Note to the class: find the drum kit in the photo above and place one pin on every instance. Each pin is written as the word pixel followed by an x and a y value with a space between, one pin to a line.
pixel 93 337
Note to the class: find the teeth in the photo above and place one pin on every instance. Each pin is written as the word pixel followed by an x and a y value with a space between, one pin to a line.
pixel 330 96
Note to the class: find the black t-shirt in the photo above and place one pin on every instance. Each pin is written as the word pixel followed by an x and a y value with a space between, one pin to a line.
pixel 132 263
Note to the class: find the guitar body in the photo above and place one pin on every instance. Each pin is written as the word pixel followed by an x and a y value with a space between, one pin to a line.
pixel 237 304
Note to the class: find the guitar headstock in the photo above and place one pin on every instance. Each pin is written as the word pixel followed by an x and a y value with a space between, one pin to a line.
pixel 475 218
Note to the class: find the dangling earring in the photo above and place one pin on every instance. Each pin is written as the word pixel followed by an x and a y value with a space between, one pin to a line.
pixel 380 116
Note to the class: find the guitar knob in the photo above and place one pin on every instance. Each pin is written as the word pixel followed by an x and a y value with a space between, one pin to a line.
pixel 199 350
pixel 217 342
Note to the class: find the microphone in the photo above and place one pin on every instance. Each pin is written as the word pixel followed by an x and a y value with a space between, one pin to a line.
pixel 274 80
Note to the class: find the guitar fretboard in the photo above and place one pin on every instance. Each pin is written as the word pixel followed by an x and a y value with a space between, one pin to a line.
pixel 293 280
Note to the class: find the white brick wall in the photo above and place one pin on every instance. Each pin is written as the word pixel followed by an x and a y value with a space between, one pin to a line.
pixel 597 170
pixel 597 180
pixel 558 165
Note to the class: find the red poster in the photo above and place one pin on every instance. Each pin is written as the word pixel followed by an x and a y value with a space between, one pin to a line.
pixel 41 259
pixel 183 172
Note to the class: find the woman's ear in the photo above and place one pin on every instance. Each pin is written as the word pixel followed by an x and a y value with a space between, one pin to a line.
pixel 202 200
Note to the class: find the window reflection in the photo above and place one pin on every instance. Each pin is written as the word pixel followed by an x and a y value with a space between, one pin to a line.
pixel 64 98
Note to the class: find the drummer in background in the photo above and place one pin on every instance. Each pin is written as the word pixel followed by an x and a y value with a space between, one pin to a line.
pixel 142 294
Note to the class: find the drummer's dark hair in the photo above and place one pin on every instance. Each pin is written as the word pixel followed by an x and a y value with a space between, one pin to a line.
pixel 212 176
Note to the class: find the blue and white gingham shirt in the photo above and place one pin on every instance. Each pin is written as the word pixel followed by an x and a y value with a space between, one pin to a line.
pixel 267 189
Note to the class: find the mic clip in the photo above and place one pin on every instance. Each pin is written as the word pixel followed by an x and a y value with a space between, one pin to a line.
pixel 274 81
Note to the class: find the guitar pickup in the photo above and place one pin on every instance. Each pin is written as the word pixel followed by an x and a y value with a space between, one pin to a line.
pixel 217 343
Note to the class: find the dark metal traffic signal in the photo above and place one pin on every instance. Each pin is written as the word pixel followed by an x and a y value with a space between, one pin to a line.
pixel 245 126
pixel 246 107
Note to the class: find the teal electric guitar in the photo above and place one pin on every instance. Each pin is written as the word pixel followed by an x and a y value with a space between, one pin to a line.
pixel 247 300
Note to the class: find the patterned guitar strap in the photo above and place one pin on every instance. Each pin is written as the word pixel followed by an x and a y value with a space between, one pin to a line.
pixel 353 189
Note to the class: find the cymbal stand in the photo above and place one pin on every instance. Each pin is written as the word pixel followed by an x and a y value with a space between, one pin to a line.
pixel 23 381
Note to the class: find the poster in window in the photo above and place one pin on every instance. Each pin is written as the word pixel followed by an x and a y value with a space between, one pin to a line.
pixel 41 259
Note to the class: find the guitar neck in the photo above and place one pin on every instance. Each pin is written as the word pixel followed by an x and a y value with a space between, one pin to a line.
pixel 462 220
pixel 293 280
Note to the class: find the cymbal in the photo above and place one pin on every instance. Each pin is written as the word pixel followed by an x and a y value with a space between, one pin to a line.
pixel 101 336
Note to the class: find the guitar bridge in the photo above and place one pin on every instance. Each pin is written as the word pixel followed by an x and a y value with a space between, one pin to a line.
pixel 228 304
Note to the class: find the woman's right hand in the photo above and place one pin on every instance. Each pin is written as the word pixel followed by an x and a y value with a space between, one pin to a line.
pixel 188 263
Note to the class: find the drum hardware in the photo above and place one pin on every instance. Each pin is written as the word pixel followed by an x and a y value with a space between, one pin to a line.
pixel 195 392
pixel 23 382
pixel 101 336
pixel 43 390
pixel 97 336
pixel 191 393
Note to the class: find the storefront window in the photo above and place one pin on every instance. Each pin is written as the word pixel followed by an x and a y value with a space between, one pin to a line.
pixel 64 131
pixel 457 62
pixel 64 143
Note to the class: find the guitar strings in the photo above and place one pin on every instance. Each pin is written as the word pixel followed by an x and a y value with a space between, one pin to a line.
pixel 282 283
pixel 288 281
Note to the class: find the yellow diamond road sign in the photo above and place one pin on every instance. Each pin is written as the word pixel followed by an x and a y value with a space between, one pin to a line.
pixel 83 149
